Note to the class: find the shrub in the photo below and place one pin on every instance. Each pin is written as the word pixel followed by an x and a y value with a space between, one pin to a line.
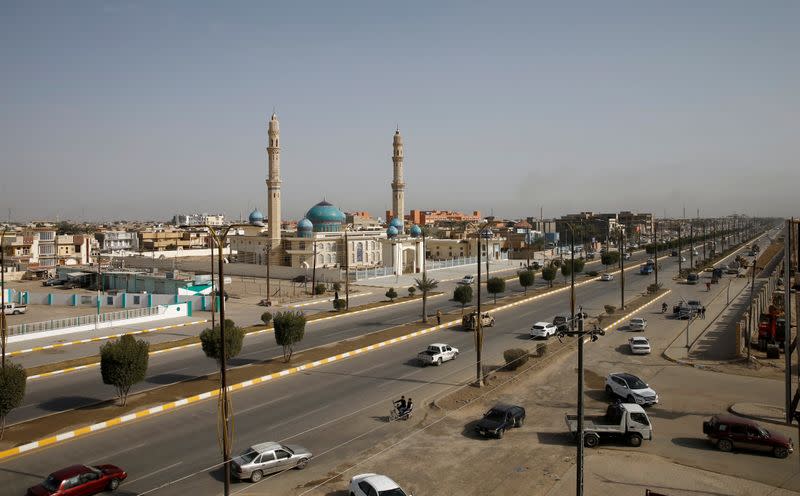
pixel 652 288
pixel 411 290
pixel 211 341
pixel 462 294
pixel 339 304
pixel 541 349
pixel 495 285
pixel 610 308
pixel 391 294
pixel 592 273
pixel 515 358
pixel 526 278
pixel 123 363
pixel 266 318
pixel 549 274
pixel 13 380
pixel 290 327
pixel 337 286
pixel 319 288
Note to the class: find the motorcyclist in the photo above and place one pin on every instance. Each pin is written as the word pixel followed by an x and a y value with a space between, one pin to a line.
pixel 407 409
pixel 664 307
pixel 400 405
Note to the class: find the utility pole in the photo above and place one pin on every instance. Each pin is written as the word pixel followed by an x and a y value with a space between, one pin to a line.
pixel 691 245
pixel 478 327
pixel 751 320
pixel 268 251
pixel 3 323
pixel 787 284
pixel 347 272
pixel 680 252
pixel 622 269
pixel 572 279
pixel 314 270
pixel 655 250
pixel 213 292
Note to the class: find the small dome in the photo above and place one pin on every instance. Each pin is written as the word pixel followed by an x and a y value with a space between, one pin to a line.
pixel 326 217
pixel 415 231
pixel 397 223
pixel 256 218
pixel 391 232
pixel 305 228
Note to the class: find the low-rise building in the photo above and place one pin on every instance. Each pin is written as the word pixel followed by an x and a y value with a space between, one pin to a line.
pixel 111 241
pixel 428 217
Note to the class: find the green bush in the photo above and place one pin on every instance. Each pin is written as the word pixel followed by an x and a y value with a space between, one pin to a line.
pixel 211 341
pixel 515 358
pixel 391 294
pixel 339 305
pixel 610 309
pixel 13 380
pixel 319 288
pixel 290 327
pixel 411 290
pixel 463 294
pixel 495 285
pixel 526 278
pixel 541 349
pixel 123 363
pixel 549 274
pixel 266 318
pixel 592 273
pixel 653 288
pixel 336 286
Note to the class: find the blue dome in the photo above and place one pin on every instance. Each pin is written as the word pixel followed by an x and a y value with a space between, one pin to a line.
pixel 325 217
pixel 305 228
pixel 415 231
pixel 396 222
pixel 256 218
pixel 391 232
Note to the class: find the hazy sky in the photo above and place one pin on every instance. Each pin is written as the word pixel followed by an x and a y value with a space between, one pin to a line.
pixel 145 109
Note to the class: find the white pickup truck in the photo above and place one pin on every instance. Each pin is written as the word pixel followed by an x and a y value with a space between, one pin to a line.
pixel 14 309
pixel 437 353
pixel 623 420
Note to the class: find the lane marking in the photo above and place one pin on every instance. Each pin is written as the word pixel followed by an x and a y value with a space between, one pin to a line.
pixel 128 483
pixel 298 305
pixel 103 338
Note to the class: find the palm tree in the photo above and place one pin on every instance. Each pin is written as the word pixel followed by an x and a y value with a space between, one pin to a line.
pixel 424 285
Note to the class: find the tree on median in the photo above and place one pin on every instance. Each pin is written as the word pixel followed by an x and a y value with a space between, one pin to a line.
pixel 495 285
pixel 463 294
pixel 290 327
pixel 391 294
pixel 123 363
pixel 13 379
pixel 425 285
pixel 609 258
pixel 549 274
pixel 211 341
pixel 526 278
pixel 566 270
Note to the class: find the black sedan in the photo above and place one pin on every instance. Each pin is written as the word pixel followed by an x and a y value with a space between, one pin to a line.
pixel 499 419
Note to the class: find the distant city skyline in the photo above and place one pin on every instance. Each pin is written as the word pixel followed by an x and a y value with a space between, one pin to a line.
pixel 142 111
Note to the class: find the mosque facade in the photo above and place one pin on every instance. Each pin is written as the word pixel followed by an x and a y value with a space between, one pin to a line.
pixel 322 238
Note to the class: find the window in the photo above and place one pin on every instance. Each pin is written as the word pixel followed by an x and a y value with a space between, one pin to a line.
pixel 267 457
pixel 109 300
pixel 137 299
pixel 282 455
pixel 640 418
pixel 360 252
pixel 738 429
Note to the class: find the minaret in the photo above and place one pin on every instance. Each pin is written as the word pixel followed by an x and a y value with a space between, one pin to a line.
pixel 274 182
pixel 398 186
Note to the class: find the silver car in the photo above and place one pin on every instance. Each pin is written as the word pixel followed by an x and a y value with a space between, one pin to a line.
pixel 268 458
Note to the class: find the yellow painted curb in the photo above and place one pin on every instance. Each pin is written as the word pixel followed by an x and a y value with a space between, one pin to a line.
pixel 103 338
pixel 326 300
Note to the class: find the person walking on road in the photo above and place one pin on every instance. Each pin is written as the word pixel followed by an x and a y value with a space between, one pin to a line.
pixel 703 312
pixel 438 317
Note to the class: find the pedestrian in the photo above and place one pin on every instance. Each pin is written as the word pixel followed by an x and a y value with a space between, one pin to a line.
pixel 335 295
pixel 703 312
pixel 438 317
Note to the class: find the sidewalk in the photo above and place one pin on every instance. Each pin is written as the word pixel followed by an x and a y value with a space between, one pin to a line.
pixel 712 339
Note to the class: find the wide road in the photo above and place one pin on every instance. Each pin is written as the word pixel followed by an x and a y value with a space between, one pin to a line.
pixel 342 405
pixel 52 394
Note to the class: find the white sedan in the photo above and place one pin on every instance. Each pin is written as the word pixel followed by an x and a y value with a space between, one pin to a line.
pixel 605 276
pixel 543 330
pixel 637 324
pixel 375 485
pixel 639 345
pixel 468 279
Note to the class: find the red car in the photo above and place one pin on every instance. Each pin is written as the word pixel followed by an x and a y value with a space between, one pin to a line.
pixel 729 432
pixel 80 480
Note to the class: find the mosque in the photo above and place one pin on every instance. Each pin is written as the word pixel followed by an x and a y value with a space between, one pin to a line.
pixel 323 233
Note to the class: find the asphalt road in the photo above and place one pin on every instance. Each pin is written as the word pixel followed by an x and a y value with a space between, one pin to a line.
pixel 57 393
pixel 341 405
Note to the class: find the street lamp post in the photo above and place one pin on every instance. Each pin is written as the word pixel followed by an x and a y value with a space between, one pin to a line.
pixel 3 323
pixel 478 326
pixel 346 272
pixel 621 269
pixel 655 250
pixel 267 252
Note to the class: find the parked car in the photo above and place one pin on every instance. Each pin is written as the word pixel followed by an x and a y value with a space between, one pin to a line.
pixel 543 330
pixel 729 432
pixel 605 276
pixel 80 480
pixel 692 278
pixel 625 420
pixel 14 309
pixel 626 255
pixel 53 282
pixel 590 255
pixel 639 345
pixel 499 419
pixel 561 322
pixel 437 353
pixel 72 284
pixel 637 324
pixel 631 388
pixel 468 279
pixel 267 458
pixel 375 485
